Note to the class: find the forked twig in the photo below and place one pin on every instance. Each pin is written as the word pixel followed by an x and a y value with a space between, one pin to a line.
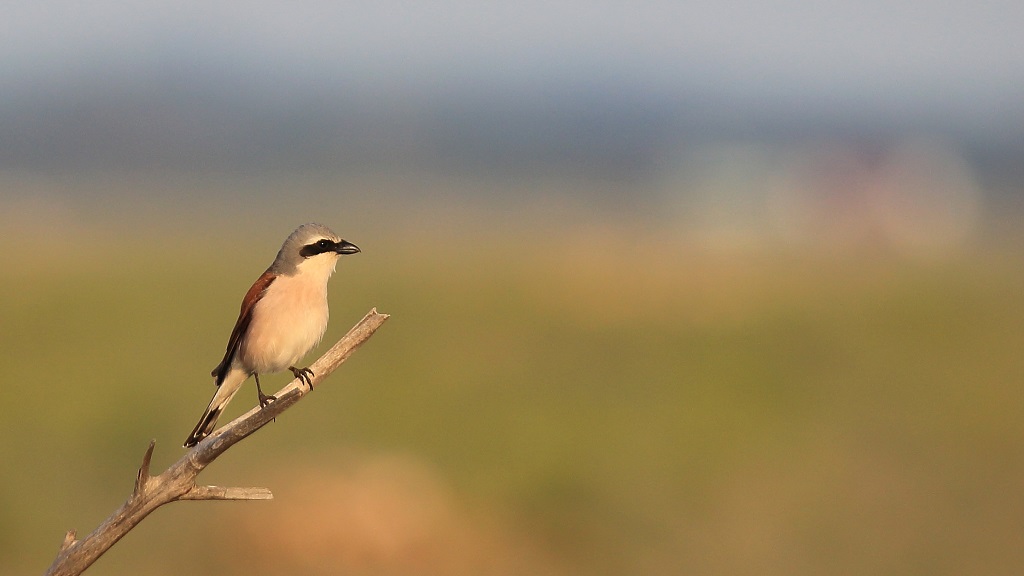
pixel 178 482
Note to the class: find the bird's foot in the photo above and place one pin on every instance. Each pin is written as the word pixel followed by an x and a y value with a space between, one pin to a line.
pixel 266 399
pixel 304 374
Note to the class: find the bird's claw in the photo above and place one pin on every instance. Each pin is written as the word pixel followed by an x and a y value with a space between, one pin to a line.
pixel 266 399
pixel 304 374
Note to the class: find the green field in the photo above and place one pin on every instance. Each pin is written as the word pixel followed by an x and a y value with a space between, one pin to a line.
pixel 541 402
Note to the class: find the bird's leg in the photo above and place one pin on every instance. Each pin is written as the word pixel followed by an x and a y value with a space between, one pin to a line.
pixel 304 374
pixel 265 399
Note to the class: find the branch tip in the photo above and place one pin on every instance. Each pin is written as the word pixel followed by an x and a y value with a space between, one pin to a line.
pixel 140 480
pixel 69 540
pixel 222 493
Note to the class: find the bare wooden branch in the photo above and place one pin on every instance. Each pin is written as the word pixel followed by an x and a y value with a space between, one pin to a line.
pixel 221 493
pixel 178 482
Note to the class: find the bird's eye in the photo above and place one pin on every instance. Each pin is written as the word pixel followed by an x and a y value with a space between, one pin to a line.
pixel 324 243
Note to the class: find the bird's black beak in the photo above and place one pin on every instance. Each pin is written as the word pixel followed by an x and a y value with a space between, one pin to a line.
pixel 345 247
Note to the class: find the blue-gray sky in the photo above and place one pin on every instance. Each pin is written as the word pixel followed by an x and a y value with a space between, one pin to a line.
pixel 948 49
pixel 955 65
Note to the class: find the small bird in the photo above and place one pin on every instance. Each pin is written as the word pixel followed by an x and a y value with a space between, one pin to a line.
pixel 283 316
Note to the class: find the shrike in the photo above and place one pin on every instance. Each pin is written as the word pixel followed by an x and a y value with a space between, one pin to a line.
pixel 283 316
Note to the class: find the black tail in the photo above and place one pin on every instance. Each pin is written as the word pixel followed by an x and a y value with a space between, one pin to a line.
pixel 204 427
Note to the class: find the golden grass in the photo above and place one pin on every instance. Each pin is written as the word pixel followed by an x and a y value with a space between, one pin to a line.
pixel 588 400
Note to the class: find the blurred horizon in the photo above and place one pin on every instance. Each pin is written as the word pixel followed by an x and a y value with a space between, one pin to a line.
pixel 741 124
pixel 607 89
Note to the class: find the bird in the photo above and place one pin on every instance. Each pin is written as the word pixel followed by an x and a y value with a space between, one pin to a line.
pixel 283 316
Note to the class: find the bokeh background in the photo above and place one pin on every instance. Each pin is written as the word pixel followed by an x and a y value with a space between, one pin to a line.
pixel 676 287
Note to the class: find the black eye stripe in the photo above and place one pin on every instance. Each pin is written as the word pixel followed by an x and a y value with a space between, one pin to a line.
pixel 318 247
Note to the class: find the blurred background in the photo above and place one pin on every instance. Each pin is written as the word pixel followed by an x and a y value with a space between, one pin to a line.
pixel 676 288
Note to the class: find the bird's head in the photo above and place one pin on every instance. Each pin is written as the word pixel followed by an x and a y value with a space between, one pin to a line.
pixel 312 248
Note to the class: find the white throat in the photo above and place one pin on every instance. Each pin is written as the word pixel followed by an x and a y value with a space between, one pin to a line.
pixel 317 268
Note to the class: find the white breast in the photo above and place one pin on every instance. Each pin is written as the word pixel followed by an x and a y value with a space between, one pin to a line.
pixel 286 323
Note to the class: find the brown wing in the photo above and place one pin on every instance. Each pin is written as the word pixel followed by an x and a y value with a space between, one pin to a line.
pixel 242 324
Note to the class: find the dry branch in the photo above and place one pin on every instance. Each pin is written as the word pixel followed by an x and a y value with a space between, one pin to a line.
pixel 178 482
